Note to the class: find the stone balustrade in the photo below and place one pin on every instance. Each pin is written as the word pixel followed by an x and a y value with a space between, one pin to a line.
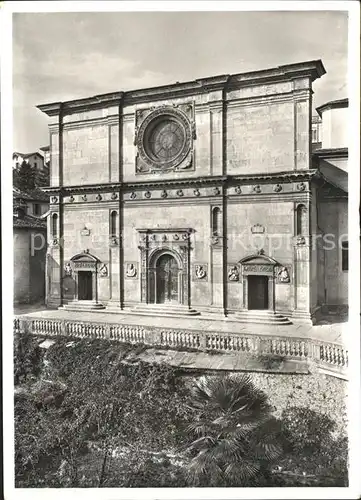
pixel 327 356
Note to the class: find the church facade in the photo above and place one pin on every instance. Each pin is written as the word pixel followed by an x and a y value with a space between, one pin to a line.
pixel 197 198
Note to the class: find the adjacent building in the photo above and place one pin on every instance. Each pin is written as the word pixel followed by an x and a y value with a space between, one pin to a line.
pixel 29 238
pixel 197 198
pixel 35 201
pixel 35 160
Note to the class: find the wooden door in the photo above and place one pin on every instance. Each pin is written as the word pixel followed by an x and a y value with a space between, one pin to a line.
pixel 167 279
pixel 258 292
pixel 85 285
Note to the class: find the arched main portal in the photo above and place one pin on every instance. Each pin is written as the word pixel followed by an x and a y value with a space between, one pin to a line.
pixel 165 279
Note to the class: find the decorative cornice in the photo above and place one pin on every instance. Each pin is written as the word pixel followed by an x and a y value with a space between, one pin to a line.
pixel 89 188
pixel 277 177
pixel 308 69
pixel 329 153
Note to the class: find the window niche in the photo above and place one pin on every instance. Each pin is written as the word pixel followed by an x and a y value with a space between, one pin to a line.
pixel 216 226
pixel 301 224
pixel 55 229
pixel 344 256
pixel 113 228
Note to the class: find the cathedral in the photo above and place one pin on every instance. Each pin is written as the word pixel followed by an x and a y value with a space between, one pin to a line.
pixel 201 198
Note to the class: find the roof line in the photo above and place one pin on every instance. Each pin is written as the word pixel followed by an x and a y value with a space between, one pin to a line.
pixel 314 69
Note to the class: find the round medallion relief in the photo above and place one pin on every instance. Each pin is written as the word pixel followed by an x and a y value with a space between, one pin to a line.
pixel 164 138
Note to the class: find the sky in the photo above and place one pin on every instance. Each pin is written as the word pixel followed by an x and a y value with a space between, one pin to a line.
pixel 65 56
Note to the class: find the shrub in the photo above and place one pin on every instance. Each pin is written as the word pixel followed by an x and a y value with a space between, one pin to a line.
pixel 27 357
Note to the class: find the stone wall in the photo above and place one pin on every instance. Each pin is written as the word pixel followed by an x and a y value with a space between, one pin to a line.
pixel 21 266
pixel 334 219
pixel 29 265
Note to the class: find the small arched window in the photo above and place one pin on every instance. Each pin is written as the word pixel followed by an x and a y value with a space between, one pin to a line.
pixel 301 220
pixel 55 225
pixel 113 223
pixel 216 221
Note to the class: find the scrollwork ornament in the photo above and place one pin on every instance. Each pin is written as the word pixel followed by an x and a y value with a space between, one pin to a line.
pixel 179 192
pixel 114 196
pixel 257 189
pixel 196 192
pixel 84 197
pixel 71 199
pixel 133 195
pixel 98 197
pixel 147 194
pixel 238 190
pixel 277 188
pixel 301 186
pixel 164 194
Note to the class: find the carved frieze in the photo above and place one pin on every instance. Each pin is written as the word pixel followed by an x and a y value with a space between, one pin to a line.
pixel 258 268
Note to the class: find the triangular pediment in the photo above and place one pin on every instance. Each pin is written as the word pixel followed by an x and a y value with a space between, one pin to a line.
pixel 259 260
pixel 84 257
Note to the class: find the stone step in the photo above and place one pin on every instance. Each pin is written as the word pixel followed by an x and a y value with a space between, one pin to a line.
pixel 170 310
pixel 82 306
pixel 263 318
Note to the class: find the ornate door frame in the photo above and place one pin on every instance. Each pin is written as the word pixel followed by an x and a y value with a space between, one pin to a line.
pixel 156 242
pixel 259 265
pixel 85 261
pixel 153 269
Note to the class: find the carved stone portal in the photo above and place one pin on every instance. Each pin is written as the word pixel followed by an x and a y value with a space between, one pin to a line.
pixel 164 265
pixel 259 273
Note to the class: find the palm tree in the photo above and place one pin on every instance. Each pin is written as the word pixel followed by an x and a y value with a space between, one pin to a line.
pixel 235 436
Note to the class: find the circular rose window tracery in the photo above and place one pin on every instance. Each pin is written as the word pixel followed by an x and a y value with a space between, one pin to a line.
pixel 164 138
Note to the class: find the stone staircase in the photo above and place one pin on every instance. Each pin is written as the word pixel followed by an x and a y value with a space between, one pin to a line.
pixel 168 310
pixel 83 305
pixel 262 317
